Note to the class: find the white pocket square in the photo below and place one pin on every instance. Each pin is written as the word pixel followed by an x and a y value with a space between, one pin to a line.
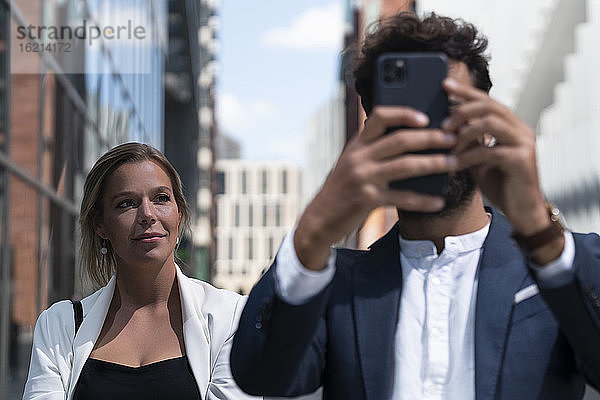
pixel 526 293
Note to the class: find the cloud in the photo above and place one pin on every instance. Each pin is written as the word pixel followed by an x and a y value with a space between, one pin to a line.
pixel 261 108
pixel 320 27
pixel 288 147
pixel 257 125
pixel 235 115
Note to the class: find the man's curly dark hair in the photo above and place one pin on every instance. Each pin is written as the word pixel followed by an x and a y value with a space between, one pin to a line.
pixel 406 32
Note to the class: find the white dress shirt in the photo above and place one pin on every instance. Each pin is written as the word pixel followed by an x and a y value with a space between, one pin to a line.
pixel 434 340
pixel 434 343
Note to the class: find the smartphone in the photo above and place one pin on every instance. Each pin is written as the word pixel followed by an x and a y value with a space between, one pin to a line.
pixel 415 80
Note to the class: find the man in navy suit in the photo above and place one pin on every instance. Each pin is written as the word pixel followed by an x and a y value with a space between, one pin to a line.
pixel 457 301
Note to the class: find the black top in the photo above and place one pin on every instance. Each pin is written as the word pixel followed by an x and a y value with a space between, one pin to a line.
pixel 164 380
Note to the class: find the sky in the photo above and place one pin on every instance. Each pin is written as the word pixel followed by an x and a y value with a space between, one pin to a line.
pixel 278 62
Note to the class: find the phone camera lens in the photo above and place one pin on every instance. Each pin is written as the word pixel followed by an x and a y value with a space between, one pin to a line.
pixel 394 71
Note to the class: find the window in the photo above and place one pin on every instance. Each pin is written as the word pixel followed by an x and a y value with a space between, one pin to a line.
pixel 277 215
pixel 204 179
pixel 284 181
pixel 230 249
pixel 264 181
pixel 271 247
pixel 250 216
pixel 244 183
pixel 236 215
pixel 220 182
pixel 203 211
pixel 264 215
pixel 250 248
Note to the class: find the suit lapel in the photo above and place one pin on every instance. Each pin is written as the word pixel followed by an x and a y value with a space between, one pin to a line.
pixel 501 272
pixel 377 281
pixel 95 308
pixel 195 331
pixel 194 328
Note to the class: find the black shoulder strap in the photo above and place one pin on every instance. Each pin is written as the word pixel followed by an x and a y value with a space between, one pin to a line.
pixel 78 311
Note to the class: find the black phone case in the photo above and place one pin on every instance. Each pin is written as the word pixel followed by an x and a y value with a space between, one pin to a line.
pixel 420 89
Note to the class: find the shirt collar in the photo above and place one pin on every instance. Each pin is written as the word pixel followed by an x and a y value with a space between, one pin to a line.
pixel 455 244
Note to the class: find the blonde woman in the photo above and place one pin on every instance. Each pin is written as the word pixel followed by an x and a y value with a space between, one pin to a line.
pixel 149 332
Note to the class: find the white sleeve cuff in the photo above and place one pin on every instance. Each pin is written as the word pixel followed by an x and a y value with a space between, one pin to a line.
pixel 296 284
pixel 560 271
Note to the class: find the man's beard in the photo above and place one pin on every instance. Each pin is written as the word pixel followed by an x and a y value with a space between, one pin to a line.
pixel 461 189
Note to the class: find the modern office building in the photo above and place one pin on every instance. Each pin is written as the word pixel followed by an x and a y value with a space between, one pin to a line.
pixel 190 126
pixel 326 137
pixel 257 204
pixel 569 143
pixel 58 112
pixel 227 147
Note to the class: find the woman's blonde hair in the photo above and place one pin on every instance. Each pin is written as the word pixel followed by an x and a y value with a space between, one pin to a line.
pixel 100 267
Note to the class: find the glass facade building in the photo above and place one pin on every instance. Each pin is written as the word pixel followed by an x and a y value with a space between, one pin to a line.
pixel 58 113
pixel 190 124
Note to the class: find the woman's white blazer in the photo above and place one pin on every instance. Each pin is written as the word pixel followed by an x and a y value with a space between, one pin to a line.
pixel 210 318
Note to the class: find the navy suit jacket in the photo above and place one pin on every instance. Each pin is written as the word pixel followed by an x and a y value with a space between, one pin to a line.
pixel 544 347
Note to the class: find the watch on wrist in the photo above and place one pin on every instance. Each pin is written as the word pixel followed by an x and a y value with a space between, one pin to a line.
pixel 530 243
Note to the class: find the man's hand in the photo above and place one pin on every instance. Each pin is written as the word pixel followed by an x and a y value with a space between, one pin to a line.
pixel 504 169
pixel 360 180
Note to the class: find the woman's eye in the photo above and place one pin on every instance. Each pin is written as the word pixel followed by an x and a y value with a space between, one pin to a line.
pixel 125 204
pixel 163 198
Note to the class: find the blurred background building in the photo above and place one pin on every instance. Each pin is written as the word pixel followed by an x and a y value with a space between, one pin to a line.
pixel 190 126
pixel 569 141
pixel 226 147
pixel 257 204
pixel 325 140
